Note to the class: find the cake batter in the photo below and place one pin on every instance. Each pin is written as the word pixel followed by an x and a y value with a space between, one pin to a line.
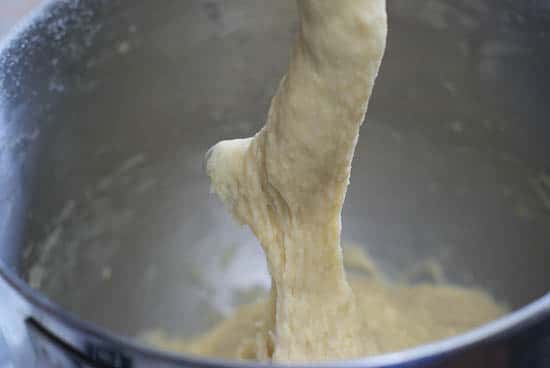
pixel 288 184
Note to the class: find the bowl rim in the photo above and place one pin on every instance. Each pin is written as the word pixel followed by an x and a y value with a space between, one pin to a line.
pixel 521 317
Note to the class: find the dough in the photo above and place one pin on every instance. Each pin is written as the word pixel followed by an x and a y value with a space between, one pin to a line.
pixel 392 318
pixel 288 184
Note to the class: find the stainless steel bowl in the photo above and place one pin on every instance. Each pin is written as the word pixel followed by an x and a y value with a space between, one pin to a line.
pixel 106 110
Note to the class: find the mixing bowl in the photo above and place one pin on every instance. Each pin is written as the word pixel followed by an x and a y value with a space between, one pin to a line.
pixel 107 227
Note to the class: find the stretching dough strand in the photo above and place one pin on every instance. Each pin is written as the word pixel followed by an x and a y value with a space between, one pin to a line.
pixel 288 183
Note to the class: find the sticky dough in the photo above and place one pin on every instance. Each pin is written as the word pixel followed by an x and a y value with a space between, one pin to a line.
pixel 393 316
pixel 288 184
